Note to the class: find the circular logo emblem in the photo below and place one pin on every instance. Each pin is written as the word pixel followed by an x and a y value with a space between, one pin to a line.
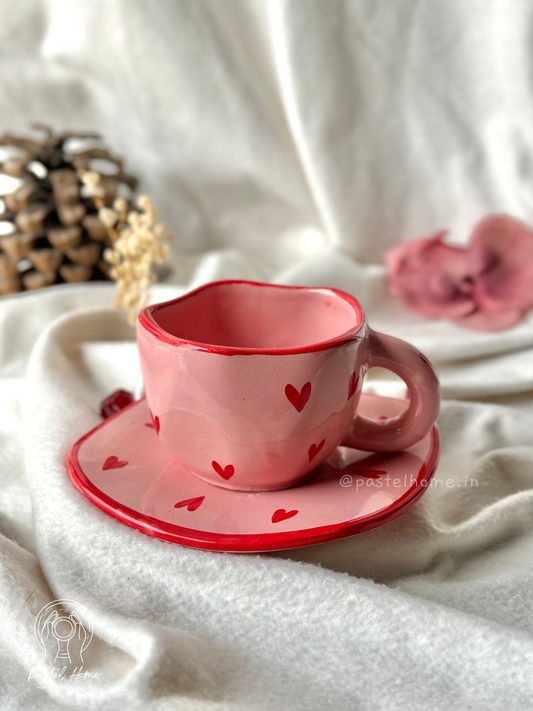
pixel 61 620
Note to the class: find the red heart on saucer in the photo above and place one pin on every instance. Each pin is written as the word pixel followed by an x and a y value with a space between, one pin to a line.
pixel 114 463
pixel 352 386
pixel 225 473
pixel 371 473
pixel 298 399
pixel 314 450
pixel 367 473
pixel 191 504
pixel 282 514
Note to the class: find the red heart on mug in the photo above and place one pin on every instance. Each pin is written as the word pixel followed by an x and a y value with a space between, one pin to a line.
pixel 315 449
pixel 225 473
pixel 155 420
pixel 191 504
pixel 114 463
pixel 282 514
pixel 298 399
pixel 352 386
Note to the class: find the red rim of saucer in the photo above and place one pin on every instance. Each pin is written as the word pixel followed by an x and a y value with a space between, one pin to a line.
pixel 246 543
pixel 146 320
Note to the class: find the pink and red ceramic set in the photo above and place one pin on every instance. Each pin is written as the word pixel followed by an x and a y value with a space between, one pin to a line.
pixel 255 434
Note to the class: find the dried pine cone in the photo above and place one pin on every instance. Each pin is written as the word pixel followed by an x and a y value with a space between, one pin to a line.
pixel 57 235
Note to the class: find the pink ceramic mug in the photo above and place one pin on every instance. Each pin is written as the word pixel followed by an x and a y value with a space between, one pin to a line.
pixel 251 386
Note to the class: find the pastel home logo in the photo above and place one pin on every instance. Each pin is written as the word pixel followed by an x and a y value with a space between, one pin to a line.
pixel 59 629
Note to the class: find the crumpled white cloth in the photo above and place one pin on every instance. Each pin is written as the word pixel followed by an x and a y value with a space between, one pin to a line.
pixel 291 142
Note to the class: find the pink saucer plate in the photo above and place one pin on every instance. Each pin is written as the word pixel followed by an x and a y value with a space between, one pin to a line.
pixel 122 468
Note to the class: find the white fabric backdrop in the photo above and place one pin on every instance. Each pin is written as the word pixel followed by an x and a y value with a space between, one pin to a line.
pixel 292 142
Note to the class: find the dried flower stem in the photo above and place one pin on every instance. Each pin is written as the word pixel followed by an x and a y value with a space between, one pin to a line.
pixel 137 242
pixel 140 243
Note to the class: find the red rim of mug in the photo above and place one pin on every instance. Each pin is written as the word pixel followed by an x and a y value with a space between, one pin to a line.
pixel 146 320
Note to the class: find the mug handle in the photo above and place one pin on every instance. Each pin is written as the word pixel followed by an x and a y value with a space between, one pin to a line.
pixel 408 428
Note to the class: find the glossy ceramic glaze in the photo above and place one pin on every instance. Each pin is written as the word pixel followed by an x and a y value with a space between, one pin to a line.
pixel 251 386
pixel 121 467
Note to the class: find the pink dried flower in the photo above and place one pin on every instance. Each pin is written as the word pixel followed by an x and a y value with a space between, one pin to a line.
pixel 486 286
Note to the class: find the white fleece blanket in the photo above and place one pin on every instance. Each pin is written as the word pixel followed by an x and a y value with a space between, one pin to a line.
pixel 292 142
